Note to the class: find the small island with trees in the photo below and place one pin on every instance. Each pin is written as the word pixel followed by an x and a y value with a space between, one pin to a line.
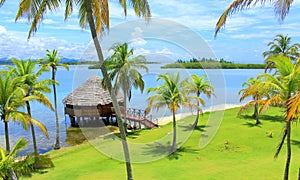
pixel 210 63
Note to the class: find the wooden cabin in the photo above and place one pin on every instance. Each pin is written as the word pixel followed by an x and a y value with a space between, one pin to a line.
pixel 90 102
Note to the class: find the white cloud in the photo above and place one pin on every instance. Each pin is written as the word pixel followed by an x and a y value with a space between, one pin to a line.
pixel 137 37
pixel 18 47
pixel 2 30
pixel 141 51
pixel 165 51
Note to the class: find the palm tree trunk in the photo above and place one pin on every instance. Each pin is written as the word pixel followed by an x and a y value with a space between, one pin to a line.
pixel 6 136
pixel 125 111
pixel 289 150
pixel 174 148
pixel 108 84
pixel 198 112
pixel 32 130
pixel 57 140
pixel 256 113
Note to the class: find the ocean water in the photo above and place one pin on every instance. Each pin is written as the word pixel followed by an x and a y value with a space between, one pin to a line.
pixel 227 83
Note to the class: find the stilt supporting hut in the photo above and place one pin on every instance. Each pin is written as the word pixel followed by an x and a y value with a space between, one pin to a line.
pixel 90 103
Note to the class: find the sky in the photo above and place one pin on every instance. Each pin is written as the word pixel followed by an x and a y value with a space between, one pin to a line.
pixel 184 25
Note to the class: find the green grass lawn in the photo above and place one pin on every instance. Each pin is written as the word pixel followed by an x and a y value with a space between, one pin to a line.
pixel 247 155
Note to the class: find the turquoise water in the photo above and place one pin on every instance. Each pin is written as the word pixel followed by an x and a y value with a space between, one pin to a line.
pixel 227 84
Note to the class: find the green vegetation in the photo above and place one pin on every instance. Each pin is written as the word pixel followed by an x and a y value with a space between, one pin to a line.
pixel 277 89
pixel 36 89
pixel 138 61
pixel 12 166
pixel 200 85
pixel 240 150
pixel 281 45
pixel 173 94
pixel 211 64
pixel 122 69
pixel 53 61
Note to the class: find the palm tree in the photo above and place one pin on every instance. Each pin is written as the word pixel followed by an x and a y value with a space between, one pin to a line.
pixel 53 61
pixel 12 97
pixel 281 45
pixel 12 166
pixel 171 94
pixel 293 104
pixel 95 14
pixel 200 85
pixel 8 163
pixel 281 8
pixel 251 89
pixel 123 72
pixel 281 86
pixel 35 88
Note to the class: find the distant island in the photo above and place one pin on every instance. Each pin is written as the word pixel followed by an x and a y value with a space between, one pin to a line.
pixel 97 65
pixel 69 61
pixel 208 63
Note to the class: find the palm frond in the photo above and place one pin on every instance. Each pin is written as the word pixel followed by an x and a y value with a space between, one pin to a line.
pixel 281 8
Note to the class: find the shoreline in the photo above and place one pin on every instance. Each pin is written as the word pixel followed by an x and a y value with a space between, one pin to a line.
pixel 167 119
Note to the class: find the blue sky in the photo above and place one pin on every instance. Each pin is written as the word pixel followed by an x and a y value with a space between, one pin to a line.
pixel 243 40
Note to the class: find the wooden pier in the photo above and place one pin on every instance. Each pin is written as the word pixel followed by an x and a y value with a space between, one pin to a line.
pixel 91 105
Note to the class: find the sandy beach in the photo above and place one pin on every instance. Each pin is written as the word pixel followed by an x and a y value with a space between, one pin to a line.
pixel 166 119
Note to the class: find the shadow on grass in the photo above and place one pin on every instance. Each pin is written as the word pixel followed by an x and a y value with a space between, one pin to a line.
pixel 133 134
pixel 296 143
pixel 200 128
pixel 252 124
pixel 263 117
pixel 158 149
pixel 180 151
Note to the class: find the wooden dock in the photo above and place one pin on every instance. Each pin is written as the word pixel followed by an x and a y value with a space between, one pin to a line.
pixel 139 116
pixel 135 119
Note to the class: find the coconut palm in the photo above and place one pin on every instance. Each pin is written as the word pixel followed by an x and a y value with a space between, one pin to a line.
pixel 13 166
pixel 11 99
pixel 200 85
pixel 280 86
pixel 281 8
pixel 171 94
pixel 281 45
pixel 8 163
pixel 13 96
pixel 35 88
pixel 53 61
pixel 250 89
pixel 122 70
pixel 95 14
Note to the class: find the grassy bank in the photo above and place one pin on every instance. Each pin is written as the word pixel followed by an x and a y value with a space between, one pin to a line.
pixel 240 150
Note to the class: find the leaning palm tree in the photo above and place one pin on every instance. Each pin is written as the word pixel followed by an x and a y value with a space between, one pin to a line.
pixel 251 89
pixel 199 85
pixel 95 14
pixel 281 45
pixel 171 94
pixel 13 166
pixel 9 164
pixel 53 61
pixel 293 105
pixel 35 88
pixel 281 8
pixel 122 70
pixel 281 86
pixel 13 96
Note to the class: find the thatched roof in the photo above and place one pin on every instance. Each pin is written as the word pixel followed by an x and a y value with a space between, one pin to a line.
pixel 90 93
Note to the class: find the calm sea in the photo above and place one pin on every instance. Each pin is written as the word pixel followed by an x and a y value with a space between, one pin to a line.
pixel 227 83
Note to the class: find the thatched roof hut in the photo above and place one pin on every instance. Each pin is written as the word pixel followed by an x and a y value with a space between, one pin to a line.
pixel 90 100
